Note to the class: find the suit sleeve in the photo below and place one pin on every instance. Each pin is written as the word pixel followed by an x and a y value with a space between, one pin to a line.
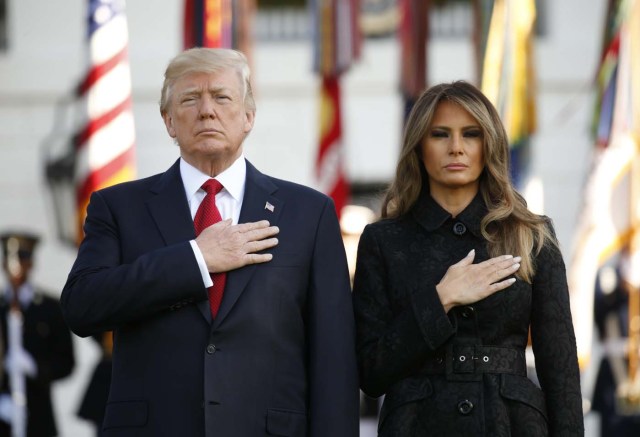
pixel 392 344
pixel 554 345
pixel 334 394
pixel 103 293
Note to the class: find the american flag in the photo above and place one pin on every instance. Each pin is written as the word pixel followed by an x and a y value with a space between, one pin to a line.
pixel 104 144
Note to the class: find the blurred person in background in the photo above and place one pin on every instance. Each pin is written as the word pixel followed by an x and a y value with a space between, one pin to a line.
pixel 36 344
pixel 611 315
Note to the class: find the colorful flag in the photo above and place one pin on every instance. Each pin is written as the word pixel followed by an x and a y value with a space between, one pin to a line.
pixel 104 145
pixel 218 23
pixel 508 78
pixel 337 42
pixel 336 35
pixel 609 228
pixel 208 23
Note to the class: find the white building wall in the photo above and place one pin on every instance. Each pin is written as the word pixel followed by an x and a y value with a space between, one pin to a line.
pixel 46 57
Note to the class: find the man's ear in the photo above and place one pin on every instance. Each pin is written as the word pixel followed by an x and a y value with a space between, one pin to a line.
pixel 168 123
pixel 250 117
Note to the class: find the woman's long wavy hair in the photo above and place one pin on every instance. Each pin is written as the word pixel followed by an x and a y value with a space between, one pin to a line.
pixel 509 227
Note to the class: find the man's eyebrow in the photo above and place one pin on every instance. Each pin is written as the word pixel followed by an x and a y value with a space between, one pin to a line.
pixel 192 90
pixel 218 88
pixel 198 90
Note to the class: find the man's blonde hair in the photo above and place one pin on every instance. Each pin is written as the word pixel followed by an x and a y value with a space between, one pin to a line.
pixel 207 60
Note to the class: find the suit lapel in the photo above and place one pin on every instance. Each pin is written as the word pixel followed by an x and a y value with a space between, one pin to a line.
pixel 258 204
pixel 170 211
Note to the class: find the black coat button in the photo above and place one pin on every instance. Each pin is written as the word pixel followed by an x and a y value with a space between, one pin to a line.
pixel 465 407
pixel 459 228
pixel 467 312
pixel 211 348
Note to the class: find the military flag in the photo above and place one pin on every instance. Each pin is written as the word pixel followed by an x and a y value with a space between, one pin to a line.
pixel 609 223
pixel 337 43
pixel 208 23
pixel 508 77
pixel 218 23
pixel 413 34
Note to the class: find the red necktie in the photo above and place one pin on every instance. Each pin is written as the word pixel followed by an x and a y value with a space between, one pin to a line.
pixel 207 215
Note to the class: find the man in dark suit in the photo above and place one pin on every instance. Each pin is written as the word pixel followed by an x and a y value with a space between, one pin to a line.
pixel 36 344
pixel 277 355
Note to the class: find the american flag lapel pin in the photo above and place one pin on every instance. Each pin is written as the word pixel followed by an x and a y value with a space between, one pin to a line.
pixel 269 207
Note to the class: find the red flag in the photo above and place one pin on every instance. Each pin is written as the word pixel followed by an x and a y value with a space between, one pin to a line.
pixel 413 34
pixel 330 163
pixel 337 44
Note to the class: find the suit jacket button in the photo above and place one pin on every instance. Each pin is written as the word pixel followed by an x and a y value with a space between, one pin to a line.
pixel 465 407
pixel 211 349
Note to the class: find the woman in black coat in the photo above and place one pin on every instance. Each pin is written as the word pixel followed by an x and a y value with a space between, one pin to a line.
pixel 446 346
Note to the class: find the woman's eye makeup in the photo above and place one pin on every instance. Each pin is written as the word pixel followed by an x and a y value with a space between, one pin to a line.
pixel 439 133
pixel 473 133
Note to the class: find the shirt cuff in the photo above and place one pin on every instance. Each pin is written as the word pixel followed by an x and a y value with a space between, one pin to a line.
pixel 204 271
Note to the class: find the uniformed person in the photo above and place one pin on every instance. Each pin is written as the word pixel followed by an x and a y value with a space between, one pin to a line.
pixel 611 315
pixel 36 344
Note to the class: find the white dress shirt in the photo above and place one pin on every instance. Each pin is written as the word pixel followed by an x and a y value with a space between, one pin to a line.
pixel 228 200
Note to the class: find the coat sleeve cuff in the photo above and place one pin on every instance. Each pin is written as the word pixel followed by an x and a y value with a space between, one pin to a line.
pixel 434 324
